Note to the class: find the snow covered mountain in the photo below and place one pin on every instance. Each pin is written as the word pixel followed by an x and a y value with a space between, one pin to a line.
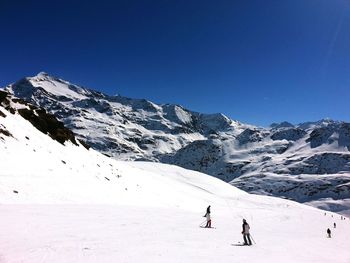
pixel 309 162
pixel 61 202
pixel 307 165
pixel 127 129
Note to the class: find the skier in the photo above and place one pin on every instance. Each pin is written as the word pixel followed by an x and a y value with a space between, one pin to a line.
pixel 207 215
pixel 329 233
pixel 245 233
pixel 335 225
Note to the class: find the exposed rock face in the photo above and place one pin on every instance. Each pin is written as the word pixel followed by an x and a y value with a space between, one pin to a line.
pixel 289 134
pixel 344 135
pixel 334 133
pixel 322 163
pixel 303 188
pixel 251 135
pixel 38 117
pixel 320 136
pixel 4 132
pixel 48 124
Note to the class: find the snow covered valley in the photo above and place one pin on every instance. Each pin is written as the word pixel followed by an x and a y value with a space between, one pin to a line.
pixel 60 202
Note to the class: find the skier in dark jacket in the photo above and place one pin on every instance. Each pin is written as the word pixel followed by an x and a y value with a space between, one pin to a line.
pixel 245 233
pixel 329 232
pixel 207 215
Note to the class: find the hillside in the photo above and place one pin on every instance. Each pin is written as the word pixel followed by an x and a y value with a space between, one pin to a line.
pixel 308 162
pixel 61 202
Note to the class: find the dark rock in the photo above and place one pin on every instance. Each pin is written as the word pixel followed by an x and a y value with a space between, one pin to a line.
pixel 5 132
pixel 48 124
pixel 291 134
pixel 320 136
pixel 344 135
pixel 3 96
pixel 85 144
pixel 251 135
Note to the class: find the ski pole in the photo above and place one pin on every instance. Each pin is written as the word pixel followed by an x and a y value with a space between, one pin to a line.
pixel 203 222
pixel 252 239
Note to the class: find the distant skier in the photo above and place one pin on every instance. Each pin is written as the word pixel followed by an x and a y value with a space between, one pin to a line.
pixel 329 233
pixel 245 233
pixel 207 215
pixel 335 225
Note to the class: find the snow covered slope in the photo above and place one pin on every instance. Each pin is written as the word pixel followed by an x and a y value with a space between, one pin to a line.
pixel 311 166
pixel 61 202
pixel 309 162
pixel 37 169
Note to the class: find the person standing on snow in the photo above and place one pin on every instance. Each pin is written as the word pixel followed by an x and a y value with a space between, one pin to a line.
pixel 245 233
pixel 329 232
pixel 207 215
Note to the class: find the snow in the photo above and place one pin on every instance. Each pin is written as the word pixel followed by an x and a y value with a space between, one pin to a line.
pixel 75 205
pixel 182 115
pixel 124 128
pixel 107 233
pixel 56 86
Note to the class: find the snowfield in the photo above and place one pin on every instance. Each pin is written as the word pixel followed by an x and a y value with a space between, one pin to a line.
pixel 64 203
pixel 113 233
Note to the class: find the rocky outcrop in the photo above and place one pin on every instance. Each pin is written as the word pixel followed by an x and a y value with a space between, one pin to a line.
pixel 48 124
pixel 289 134
pixel 251 135
pixel 301 189
pixel 334 133
pixel 38 117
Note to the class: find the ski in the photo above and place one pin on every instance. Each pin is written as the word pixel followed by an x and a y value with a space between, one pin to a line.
pixel 239 244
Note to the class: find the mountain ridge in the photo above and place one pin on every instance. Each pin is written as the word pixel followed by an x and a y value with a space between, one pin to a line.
pixel 285 160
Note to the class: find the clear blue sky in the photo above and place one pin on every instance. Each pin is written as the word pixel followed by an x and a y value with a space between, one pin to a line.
pixel 257 61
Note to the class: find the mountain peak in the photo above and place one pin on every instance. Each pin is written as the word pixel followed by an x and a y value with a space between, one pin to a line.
pixel 53 86
pixel 283 124
pixel 320 123
pixel 42 74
